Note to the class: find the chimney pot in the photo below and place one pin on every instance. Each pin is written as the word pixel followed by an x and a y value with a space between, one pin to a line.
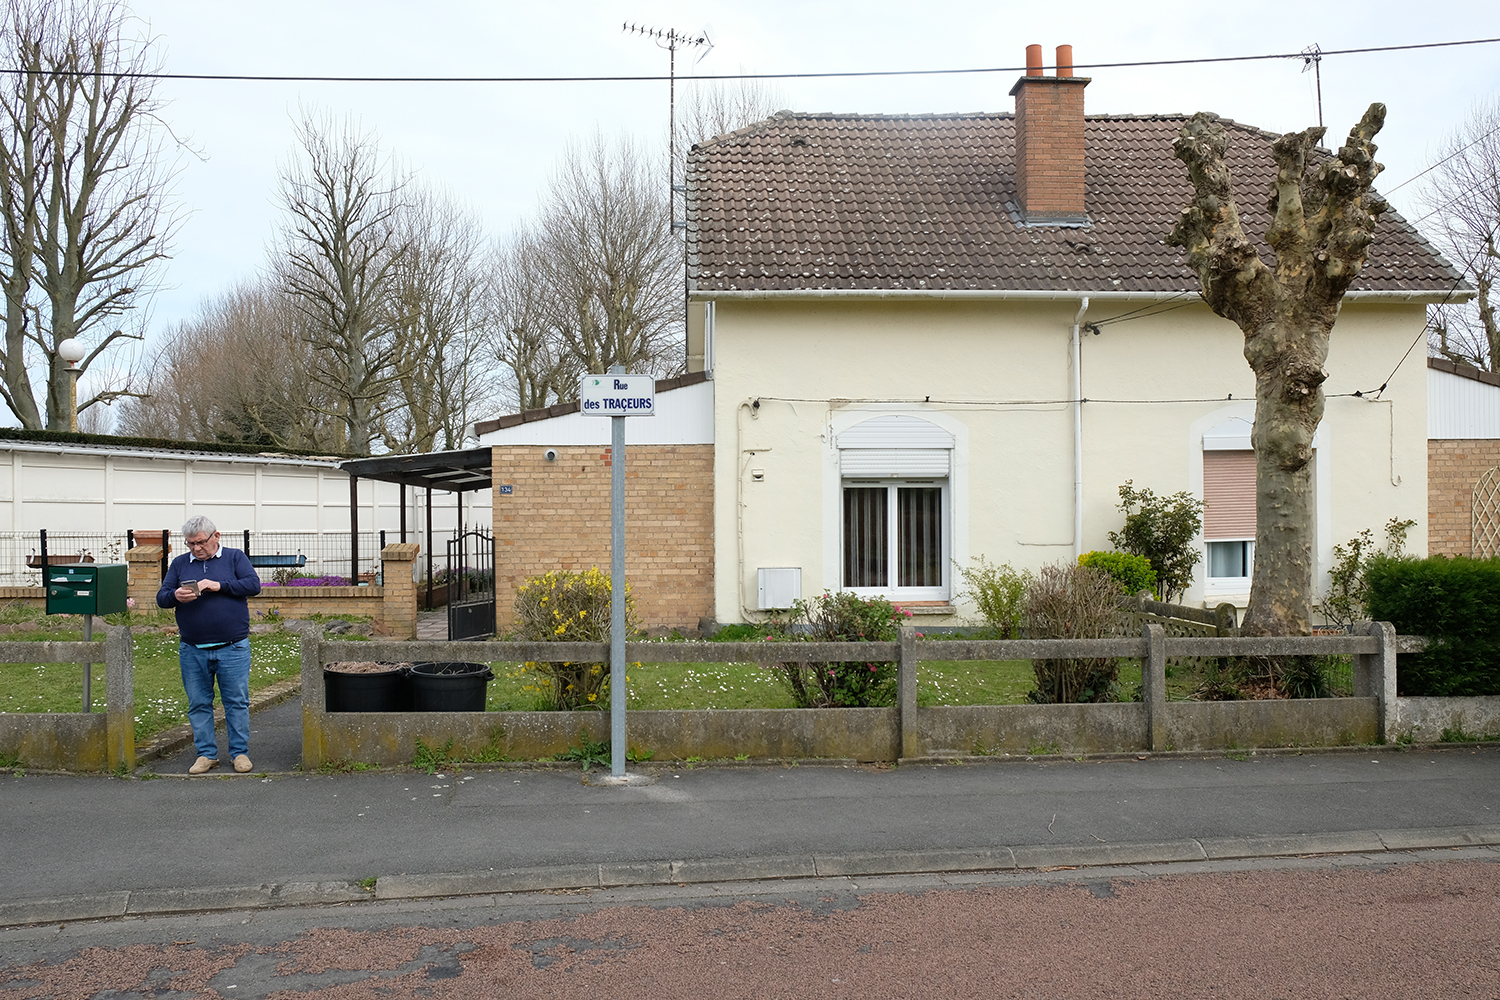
pixel 1033 60
pixel 1065 60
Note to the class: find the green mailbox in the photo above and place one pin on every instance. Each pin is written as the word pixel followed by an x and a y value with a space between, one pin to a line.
pixel 86 589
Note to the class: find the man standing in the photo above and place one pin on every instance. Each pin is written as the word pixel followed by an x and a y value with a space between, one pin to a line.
pixel 210 586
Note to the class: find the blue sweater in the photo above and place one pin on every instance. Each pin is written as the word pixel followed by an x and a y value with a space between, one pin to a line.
pixel 217 615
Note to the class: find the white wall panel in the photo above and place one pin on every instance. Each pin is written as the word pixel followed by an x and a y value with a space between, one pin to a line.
pixel 1461 408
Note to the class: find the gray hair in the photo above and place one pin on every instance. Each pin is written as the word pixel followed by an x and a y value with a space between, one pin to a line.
pixel 198 525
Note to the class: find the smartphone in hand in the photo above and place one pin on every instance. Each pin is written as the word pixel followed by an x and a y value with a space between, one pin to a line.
pixel 191 585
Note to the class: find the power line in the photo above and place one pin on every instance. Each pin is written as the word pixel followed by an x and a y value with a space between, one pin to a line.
pixel 1456 153
pixel 308 78
pixel 1426 329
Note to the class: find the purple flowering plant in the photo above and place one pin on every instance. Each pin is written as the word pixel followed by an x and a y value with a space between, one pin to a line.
pixel 308 581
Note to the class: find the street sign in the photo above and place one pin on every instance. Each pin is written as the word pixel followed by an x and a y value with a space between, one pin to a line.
pixel 617 395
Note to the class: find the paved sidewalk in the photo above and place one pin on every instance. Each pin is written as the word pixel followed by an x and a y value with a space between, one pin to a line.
pixel 79 847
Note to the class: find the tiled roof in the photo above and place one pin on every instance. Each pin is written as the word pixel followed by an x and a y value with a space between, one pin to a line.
pixel 1463 371
pixel 928 202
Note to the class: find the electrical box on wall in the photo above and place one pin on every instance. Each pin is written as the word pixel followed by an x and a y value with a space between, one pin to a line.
pixel 779 587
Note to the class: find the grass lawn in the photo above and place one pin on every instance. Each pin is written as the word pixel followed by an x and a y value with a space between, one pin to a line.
pixel 159 699
pixel 748 685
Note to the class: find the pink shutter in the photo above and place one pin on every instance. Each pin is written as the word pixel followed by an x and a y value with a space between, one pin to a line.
pixel 1228 494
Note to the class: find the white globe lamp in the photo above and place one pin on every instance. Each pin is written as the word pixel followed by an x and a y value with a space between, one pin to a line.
pixel 71 351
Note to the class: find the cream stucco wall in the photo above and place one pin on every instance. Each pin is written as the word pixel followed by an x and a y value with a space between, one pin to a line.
pixel 997 375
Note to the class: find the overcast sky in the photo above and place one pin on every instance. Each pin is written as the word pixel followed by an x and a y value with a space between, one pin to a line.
pixel 493 144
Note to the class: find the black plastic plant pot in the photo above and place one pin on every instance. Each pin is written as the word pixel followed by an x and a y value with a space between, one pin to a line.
pixel 385 691
pixel 449 686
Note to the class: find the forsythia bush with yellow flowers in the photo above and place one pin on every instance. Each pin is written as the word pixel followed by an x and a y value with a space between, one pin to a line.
pixel 566 606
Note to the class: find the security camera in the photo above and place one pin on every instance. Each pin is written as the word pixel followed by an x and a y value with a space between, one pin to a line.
pixel 550 454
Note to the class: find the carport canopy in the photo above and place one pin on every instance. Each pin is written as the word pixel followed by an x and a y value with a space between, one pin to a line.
pixel 457 472
pixel 454 471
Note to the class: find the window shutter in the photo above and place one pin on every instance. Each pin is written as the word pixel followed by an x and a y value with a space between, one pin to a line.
pixel 895 447
pixel 1228 494
pixel 894 463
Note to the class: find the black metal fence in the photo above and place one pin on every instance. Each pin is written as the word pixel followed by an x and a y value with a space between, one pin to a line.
pixel 278 556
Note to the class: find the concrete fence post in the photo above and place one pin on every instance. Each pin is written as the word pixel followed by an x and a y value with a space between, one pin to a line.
pixel 906 694
pixel 399 610
pixel 313 738
pixel 1154 686
pixel 1375 675
pixel 119 697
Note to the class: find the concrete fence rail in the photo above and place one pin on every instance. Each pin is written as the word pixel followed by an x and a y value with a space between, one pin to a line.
pixel 76 741
pixel 902 731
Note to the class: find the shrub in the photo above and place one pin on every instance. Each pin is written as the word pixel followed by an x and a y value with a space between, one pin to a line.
pixel 1133 573
pixel 1345 602
pixel 999 592
pixel 1165 531
pixel 841 617
pixel 564 606
pixel 1455 603
pixel 1073 602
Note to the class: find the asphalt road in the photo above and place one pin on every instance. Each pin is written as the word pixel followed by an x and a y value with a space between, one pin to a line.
pixel 68 835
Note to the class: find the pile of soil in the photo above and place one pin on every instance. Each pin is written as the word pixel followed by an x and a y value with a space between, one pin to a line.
pixel 363 666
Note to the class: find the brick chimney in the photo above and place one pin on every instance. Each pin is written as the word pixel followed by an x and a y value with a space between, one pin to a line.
pixel 1049 141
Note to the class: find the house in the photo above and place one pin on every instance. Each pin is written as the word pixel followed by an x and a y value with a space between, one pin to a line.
pixel 930 338
pixel 1463 460
pixel 551 470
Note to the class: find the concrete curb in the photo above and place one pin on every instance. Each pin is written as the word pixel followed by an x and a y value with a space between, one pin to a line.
pixel 1035 857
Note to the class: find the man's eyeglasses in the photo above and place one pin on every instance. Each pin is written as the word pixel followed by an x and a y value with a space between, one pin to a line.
pixel 199 543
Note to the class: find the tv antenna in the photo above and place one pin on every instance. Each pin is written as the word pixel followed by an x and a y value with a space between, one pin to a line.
pixel 672 40
pixel 1312 58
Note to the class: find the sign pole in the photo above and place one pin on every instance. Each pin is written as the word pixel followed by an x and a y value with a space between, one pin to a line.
pixel 617 679
pixel 617 395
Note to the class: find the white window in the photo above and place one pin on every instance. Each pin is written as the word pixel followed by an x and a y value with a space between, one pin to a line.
pixel 895 538
pixel 894 523
pixel 1229 517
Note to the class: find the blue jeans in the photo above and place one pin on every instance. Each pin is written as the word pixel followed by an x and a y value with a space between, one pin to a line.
pixel 231 665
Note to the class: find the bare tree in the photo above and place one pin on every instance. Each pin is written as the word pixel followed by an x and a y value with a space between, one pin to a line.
pixel 611 262
pixel 535 370
pixel 340 245
pixel 1462 194
pixel 258 390
pixel 1323 219
pixel 436 306
pixel 83 190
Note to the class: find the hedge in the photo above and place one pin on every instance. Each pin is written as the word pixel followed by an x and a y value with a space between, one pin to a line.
pixel 1454 602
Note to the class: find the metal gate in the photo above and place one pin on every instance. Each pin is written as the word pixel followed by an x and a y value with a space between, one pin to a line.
pixel 471 585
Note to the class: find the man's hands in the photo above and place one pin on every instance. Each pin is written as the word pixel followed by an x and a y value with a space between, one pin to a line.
pixel 186 595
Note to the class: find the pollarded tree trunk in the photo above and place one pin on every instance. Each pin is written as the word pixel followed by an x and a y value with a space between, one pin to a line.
pixel 1323 220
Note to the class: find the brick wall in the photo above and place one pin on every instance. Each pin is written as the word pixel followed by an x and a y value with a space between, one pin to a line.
pixel 1453 470
pixel 294 602
pixel 557 517
pixel 1050 145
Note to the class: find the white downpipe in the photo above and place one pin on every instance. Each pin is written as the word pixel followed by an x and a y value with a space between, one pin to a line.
pixel 1083 307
